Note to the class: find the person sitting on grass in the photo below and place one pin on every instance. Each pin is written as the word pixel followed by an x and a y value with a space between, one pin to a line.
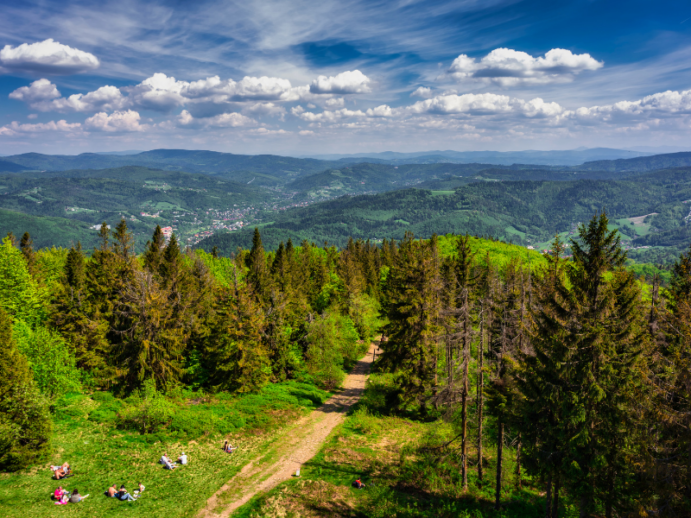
pixel 228 448
pixel 113 491
pixel 58 493
pixel 124 495
pixel 182 459
pixel 166 462
pixel 141 487
pixel 358 484
pixel 76 497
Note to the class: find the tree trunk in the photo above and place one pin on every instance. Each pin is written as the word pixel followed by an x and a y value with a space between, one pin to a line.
pixel 555 497
pixel 518 463
pixel 548 497
pixel 464 401
pixel 480 395
pixel 500 447
pixel 610 493
pixel 584 511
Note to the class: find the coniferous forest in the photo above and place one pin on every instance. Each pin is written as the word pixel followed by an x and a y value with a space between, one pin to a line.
pixel 528 384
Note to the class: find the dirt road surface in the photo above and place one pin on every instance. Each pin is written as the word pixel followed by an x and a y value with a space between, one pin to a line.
pixel 297 445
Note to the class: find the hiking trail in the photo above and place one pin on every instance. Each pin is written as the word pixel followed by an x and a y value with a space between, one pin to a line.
pixel 294 446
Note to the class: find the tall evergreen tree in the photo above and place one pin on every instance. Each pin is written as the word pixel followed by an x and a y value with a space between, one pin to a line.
pixel 26 245
pixel 154 250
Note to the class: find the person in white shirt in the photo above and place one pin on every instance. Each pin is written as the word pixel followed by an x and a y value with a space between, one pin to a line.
pixel 182 459
pixel 166 462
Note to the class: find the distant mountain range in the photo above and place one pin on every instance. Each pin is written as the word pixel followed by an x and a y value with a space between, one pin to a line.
pixel 567 157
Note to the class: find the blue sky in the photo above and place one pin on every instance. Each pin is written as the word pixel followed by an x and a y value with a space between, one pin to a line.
pixel 305 77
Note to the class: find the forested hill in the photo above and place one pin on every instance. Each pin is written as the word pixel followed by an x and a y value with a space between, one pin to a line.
pixel 176 160
pixel 522 212
pixel 645 163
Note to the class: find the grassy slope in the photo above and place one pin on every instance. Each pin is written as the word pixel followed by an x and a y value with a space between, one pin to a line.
pixel 101 455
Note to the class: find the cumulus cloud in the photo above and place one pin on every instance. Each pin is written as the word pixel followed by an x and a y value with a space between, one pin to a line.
pixel 326 115
pixel 508 67
pixel 350 82
pixel 661 105
pixel 223 120
pixel 47 57
pixel 119 121
pixel 335 102
pixel 14 128
pixel 37 92
pixel 423 92
pixel 484 104
pixel 306 133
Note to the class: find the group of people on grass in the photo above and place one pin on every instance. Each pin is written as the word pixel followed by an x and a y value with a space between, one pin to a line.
pixel 168 464
pixel 63 496
pixel 123 494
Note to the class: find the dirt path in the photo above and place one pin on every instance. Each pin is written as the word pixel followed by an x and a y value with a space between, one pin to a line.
pixel 297 445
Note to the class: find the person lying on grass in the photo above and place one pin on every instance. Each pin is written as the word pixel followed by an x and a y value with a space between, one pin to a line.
pixel 182 459
pixel 64 499
pixel 124 495
pixel 76 497
pixel 228 448
pixel 61 471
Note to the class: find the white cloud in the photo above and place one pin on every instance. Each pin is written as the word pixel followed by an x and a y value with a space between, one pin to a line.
pixel 423 92
pixel 664 105
pixel 14 128
pixel 380 111
pixel 32 116
pixel 484 104
pixel 47 57
pixel 38 91
pixel 350 82
pixel 306 133
pixel 223 120
pixel 335 102
pixel 327 115
pixel 121 121
pixel 509 67
pixel 230 120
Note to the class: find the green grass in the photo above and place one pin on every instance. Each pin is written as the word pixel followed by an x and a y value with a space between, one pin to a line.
pixel 101 453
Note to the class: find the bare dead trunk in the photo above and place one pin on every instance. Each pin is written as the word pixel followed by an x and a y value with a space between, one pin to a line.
pixel 466 364
pixel 555 498
pixel 480 395
pixel 519 482
pixel 500 447
pixel 548 497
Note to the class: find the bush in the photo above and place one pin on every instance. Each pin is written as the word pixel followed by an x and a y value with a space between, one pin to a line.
pixel 150 413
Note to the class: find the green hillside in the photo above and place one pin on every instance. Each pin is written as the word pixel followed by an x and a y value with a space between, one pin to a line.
pixel 47 231
pixel 521 212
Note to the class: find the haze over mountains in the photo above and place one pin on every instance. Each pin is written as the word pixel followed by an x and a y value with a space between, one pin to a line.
pixel 216 199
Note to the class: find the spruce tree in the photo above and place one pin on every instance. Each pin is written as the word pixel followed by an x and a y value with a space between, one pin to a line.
pixel 154 250
pixel 26 245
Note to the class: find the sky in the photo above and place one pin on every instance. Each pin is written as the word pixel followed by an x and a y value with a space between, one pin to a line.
pixel 297 77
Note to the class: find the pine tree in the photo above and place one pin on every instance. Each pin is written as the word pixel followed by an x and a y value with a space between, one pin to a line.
pixel 25 425
pixel 588 336
pixel 234 352
pixel 154 250
pixel 414 308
